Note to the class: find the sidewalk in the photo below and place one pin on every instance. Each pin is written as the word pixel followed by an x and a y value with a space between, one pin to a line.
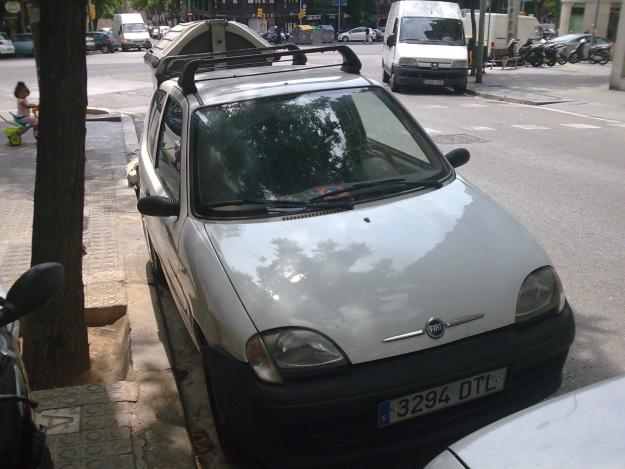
pixel 129 415
pixel 581 88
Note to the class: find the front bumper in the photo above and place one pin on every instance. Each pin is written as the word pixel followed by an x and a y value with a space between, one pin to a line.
pixel 326 420
pixel 7 50
pixel 408 75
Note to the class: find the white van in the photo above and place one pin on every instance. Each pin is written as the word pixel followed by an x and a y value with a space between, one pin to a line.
pixel 424 44
pixel 130 31
pixel 496 30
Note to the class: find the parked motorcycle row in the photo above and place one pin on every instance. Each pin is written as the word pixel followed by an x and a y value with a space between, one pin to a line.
pixel 282 37
pixel 537 53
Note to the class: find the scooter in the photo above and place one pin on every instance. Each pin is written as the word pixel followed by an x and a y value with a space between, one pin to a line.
pixel 596 53
pixel 22 442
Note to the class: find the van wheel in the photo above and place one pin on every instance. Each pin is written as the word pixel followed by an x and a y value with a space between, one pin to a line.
pixel 124 48
pixel 393 81
pixel 385 76
pixel 228 443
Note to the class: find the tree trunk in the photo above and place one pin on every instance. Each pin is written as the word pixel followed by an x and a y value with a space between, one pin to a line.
pixel 473 37
pixel 56 350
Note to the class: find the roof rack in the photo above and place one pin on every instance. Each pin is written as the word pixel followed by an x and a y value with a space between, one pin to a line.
pixel 171 66
pixel 186 80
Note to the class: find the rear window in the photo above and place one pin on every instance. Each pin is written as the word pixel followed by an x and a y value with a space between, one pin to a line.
pixel 296 147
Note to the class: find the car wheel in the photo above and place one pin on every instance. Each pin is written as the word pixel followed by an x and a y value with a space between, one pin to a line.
pixel 393 82
pixel 385 76
pixel 345 39
pixel 228 443
pixel 155 262
pixel 124 49
pixel 460 89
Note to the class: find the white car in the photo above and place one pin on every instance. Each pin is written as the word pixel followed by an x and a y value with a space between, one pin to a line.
pixel 6 46
pixel 356 34
pixel 349 292
pixel 578 430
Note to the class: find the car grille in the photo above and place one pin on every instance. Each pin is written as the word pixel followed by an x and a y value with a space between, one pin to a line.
pixel 429 74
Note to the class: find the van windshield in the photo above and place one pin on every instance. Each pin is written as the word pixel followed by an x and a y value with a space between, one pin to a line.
pixel 134 28
pixel 417 30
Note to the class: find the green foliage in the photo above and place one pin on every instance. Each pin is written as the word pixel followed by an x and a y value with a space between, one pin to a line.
pixel 106 8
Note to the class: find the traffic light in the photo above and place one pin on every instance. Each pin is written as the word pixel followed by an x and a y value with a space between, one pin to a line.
pixel 302 12
pixel 92 11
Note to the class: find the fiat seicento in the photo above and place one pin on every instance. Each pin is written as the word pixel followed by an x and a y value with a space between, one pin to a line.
pixel 351 295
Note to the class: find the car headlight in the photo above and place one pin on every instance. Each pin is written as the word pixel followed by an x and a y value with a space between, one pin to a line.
pixel 541 292
pixel 460 64
pixel 291 351
pixel 407 61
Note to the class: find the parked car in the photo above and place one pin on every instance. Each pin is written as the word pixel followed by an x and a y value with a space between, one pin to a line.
pixel 379 34
pixel 23 44
pixel 104 42
pixel 572 41
pixel 577 430
pixel 351 294
pixel 90 43
pixel 162 30
pixel 6 46
pixel 356 34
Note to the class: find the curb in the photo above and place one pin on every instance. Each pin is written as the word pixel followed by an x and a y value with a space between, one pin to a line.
pixel 511 99
pixel 95 114
pixel 159 431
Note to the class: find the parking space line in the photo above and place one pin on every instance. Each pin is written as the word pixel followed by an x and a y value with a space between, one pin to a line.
pixel 531 127
pixel 581 126
pixel 434 106
pixel 432 131
pixel 480 128
pixel 472 105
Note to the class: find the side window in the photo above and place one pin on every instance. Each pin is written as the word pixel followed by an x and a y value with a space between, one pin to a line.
pixel 169 151
pixel 155 115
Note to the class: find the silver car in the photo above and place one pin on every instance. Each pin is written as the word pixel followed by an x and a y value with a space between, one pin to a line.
pixel 351 295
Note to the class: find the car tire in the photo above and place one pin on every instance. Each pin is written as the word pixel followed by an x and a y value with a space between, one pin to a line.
pixel 124 49
pixel 385 76
pixel 345 39
pixel 460 89
pixel 393 82
pixel 155 261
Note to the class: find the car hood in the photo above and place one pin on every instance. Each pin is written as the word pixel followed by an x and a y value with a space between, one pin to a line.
pixel 382 269
pixel 136 36
pixel 581 429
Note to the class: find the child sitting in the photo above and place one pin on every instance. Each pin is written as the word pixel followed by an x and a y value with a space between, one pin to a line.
pixel 23 107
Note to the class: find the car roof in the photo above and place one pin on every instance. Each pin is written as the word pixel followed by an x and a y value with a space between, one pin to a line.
pixel 249 83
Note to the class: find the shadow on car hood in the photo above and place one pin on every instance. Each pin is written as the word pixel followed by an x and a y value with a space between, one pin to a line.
pixel 383 269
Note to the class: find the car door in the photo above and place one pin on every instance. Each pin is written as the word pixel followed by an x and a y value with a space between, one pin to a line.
pixel 389 52
pixel 357 34
pixel 164 176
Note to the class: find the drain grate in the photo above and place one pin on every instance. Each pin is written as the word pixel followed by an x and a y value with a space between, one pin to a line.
pixel 453 139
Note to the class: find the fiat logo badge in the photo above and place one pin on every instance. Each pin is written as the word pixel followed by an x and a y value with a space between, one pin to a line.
pixel 435 328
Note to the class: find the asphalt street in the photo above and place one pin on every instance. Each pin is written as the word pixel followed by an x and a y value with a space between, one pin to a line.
pixel 560 173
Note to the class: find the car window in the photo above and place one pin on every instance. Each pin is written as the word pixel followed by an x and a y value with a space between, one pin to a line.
pixel 169 153
pixel 155 116
pixel 253 149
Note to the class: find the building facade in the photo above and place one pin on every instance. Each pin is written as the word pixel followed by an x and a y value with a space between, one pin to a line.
pixel 579 16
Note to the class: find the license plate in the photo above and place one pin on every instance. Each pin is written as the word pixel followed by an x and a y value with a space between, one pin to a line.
pixel 434 82
pixel 440 397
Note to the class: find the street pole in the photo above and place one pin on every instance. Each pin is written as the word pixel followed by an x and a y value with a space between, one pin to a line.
pixel 89 16
pixel 339 24
pixel 594 24
pixel 300 12
pixel 479 52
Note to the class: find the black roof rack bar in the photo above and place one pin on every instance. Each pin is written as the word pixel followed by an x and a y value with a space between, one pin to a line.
pixel 164 71
pixel 186 80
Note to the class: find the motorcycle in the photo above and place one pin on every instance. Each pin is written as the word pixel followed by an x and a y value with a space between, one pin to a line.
pixel 596 53
pixel 542 53
pixel 22 443
pixel 524 52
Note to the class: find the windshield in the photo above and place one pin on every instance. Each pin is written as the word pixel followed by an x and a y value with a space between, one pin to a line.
pixel 302 148
pixel 134 28
pixel 445 31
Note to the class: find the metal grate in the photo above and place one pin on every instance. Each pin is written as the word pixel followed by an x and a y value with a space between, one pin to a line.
pixel 312 214
pixel 453 139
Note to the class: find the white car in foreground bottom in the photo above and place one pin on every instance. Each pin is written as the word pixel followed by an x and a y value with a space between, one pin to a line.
pixel 579 430
pixel 349 292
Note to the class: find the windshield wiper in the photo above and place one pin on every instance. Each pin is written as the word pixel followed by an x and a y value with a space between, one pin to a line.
pixel 393 182
pixel 276 204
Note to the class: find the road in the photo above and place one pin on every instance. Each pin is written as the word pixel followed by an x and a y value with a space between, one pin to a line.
pixel 560 173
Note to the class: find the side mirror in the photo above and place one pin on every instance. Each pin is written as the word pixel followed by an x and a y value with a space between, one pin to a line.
pixel 391 40
pixel 32 290
pixel 156 206
pixel 458 157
